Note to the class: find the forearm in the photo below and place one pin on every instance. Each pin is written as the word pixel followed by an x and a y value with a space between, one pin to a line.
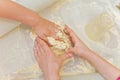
pixel 14 11
pixel 108 71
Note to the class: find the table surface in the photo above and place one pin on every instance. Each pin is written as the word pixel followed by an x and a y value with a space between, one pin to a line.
pixel 17 41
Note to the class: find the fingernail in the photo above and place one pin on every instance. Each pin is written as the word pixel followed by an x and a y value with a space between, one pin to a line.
pixel 69 54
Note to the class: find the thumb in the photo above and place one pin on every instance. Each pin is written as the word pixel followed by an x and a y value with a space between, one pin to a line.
pixel 66 56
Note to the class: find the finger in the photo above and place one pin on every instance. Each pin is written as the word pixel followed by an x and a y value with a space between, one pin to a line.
pixel 72 34
pixel 40 46
pixel 36 55
pixel 43 37
pixel 70 50
pixel 42 42
pixel 65 56
pixel 37 58
pixel 56 29
pixel 44 47
pixel 47 51
pixel 53 36
pixel 52 30
pixel 36 45
pixel 38 50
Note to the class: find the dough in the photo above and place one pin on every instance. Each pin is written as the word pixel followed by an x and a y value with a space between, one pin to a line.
pixel 59 46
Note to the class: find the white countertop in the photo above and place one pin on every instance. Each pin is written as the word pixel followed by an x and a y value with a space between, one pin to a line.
pixel 16 45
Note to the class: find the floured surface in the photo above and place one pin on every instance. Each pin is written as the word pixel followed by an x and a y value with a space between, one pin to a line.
pixel 17 59
pixel 97 28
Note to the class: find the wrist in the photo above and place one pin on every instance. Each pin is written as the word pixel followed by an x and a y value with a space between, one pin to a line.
pixel 31 18
pixel 36 20
pixel 52 76
pixel 40 22
pixel 87 54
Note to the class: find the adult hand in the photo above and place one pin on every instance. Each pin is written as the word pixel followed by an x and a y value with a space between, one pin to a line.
pixel 45 28
pixel 17 12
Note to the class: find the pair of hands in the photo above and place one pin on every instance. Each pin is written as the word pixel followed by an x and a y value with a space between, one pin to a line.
pixel 51 64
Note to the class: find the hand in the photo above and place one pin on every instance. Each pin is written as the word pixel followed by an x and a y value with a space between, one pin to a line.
pixel 22 14
pixel 48 62
pixel 79 48
pixel 45 28
pixel 108 71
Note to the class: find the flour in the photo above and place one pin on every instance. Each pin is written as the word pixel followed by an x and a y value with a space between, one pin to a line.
pixel 30 72
pixel 98 28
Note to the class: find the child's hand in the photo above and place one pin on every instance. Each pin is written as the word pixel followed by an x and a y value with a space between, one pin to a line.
pixel 48 62
pixel 79 48
pixel 108 71
pixel 46 29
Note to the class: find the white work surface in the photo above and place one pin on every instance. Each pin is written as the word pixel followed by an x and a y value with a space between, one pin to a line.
pixel 17 44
